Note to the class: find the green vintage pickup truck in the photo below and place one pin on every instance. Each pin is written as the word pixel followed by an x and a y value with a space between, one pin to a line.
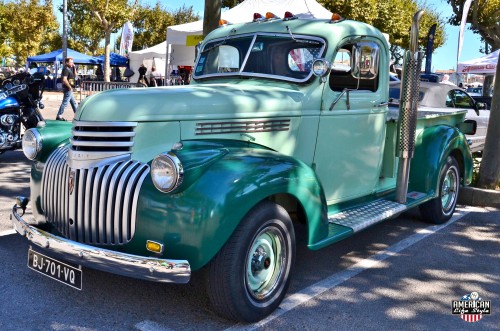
pixel 285 120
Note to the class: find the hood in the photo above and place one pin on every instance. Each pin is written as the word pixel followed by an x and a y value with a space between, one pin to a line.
pixel 190 102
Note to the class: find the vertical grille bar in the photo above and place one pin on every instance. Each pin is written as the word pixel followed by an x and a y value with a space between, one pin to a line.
pixel 96 198
pixel 113 203
pixel 105 217
pixel 96 205
pixel 89 207
pixel 81 210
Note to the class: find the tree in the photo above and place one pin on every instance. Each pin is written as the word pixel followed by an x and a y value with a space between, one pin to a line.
pixel 110 15
pixel 4 28
pixel 211 16
pixel 84 32
pixel 231 3
pixel 20 42
pixel 381 14
pixel 484 19
pixel 150 23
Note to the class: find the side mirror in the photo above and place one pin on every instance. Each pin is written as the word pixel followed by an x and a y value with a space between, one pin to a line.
pixel 480 106
pixel 468 127
pixel 365 60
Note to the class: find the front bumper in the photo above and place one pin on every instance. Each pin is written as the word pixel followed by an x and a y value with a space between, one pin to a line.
pixel 148 268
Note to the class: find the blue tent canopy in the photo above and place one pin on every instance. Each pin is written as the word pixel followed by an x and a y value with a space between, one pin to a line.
pixel 115 60
pixel 57 56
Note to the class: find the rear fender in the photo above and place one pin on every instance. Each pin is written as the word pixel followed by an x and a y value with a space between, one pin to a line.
pixel 433 146
pixel 197 219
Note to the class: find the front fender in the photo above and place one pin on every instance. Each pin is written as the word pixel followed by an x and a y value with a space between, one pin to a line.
pixel 432 148
pixel 195 221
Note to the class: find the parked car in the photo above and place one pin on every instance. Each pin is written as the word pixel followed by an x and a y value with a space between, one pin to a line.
pixel 475 91
pixel 442 97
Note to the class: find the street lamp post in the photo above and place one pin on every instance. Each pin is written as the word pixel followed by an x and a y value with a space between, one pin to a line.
pixel 65 30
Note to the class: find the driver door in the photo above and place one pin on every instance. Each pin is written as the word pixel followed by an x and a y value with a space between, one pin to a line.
pixel 351 136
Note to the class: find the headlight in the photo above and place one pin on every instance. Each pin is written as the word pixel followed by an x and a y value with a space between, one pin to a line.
pixel 32 143
pixel 166 172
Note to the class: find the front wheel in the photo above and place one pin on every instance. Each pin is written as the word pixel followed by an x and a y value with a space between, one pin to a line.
pixel 440 209
pixel 250 275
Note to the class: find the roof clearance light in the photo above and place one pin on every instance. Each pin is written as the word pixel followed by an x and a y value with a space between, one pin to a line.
pixel 223 22
pixel 257 17
pixel 270 16
pixel 289 16
pixel 336 18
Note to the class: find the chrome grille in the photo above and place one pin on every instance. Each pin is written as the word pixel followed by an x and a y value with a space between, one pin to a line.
pixel 96 205
pixel 94 144
pixel 102 136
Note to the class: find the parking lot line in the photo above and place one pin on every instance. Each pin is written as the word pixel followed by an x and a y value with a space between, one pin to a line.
pixel 310 292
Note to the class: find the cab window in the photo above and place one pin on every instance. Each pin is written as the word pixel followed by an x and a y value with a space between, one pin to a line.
pixel 343 75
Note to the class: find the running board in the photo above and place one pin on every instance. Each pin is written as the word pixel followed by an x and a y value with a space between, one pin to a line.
pixel 359 218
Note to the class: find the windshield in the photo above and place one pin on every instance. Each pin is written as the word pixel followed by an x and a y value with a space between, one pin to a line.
pixel 275 56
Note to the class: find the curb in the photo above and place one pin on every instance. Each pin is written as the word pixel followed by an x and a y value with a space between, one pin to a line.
pixel 472 196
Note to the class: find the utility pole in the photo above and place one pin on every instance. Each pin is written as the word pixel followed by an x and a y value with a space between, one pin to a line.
pixel 65 29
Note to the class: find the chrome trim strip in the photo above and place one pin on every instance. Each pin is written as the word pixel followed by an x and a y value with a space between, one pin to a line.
pixel 248 53
pixel 134 266
pixel 87 143
pixel 102 134
pixel 104 124
pixel 87 160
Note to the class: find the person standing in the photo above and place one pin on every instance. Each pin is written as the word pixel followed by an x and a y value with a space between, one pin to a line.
pixel 68 83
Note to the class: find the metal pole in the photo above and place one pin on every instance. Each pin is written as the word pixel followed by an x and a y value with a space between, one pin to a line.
pixel 410 85
pixel 65 30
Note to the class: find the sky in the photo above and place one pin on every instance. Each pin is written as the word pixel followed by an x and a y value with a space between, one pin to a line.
pixel 443 58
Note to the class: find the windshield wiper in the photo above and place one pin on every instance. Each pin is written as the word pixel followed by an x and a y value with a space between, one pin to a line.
pixel 223 42
pixel 305 41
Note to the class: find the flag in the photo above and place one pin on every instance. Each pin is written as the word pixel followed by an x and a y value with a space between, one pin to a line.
pixel 127 39
pixel 462 27
pixel 428 51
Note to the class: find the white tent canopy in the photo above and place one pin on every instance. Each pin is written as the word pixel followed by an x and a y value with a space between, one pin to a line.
pixel 176 35
pixel 152 56
pixel 483 65
pixel 181 52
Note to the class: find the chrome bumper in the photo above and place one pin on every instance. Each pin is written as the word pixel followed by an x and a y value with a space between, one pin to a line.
pixel 148 268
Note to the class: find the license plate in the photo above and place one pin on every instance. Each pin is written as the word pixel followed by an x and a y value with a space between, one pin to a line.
pixel 54 269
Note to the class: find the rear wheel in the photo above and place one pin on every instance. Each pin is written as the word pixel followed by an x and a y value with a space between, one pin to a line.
pixel 440 209
pixel 250 275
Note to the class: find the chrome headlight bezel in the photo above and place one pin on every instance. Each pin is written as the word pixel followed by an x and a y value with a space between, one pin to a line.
pixel 320 67
pixel 32 143
pixel 167 172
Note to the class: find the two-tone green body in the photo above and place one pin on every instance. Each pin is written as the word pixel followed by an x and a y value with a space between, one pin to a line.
pixel 300 141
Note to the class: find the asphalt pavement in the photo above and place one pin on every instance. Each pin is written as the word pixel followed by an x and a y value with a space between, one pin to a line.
pixel 52 101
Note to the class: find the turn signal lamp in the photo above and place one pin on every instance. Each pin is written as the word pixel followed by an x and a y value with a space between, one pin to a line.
pixel 336 18
pixel 153 246
pixel 289 16
pixel 257 17
pixel 270 16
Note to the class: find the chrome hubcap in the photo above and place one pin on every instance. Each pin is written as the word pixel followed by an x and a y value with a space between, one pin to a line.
pixel 265 262
pixel 449 190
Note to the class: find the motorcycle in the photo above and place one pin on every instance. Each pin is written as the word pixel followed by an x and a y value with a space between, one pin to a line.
pixel 20 104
